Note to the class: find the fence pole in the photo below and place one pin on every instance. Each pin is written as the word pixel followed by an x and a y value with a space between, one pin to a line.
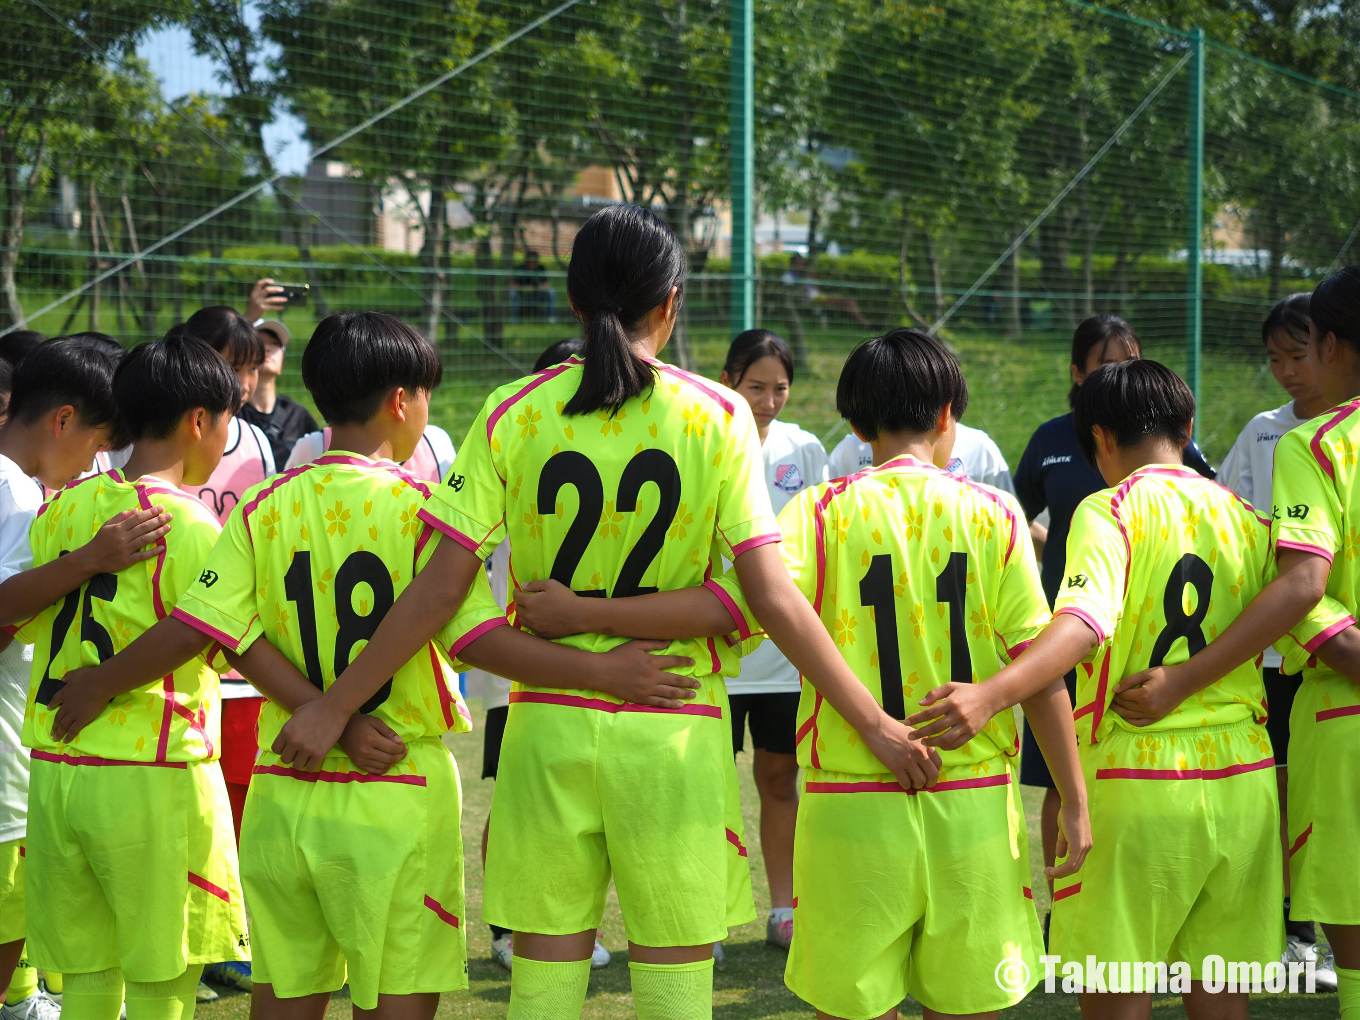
pixel 743 271
pixel 1194 272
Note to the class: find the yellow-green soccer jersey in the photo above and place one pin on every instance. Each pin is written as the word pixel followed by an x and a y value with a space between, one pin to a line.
pixel 650 497
pixel 1314 499
pixel 312 560
pixel 1158 566
pixel 174 719
pixel 921 578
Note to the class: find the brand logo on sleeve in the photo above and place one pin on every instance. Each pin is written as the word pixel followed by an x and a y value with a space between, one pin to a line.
pixel 456 481
pixel 1077 581
pixel 787 478
pixel 208 578
pixel 1298 512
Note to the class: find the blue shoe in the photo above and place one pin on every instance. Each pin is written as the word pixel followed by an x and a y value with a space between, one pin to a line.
pixel 232 974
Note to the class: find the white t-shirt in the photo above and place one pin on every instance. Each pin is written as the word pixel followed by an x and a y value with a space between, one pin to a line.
pixel 20 498
pixel 975 456
pixel 794 459
pixel 1249 469
pixel 313 445
pixel 492 689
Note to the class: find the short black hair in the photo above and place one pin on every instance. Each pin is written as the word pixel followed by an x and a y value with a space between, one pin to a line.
pixel 61 372
pixel 101 342
pixel 1133 400
pixel 6 385
pixel 158 383
pixel 1290 317
pixel 749 347
pixel 354 358
pixel 900 382
pixel 559 351
pixel 1335 306
pixel 226 331
pixel 14 345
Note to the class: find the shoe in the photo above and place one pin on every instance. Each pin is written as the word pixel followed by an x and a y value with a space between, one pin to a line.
pixel 38 1006
pixel 205 994
pixel 718 955
pixel 779 927
pixel 1324 976
pixel 599 956
pixel 502 949
pixel 231 974
pixel 44 986
pixel 1298 951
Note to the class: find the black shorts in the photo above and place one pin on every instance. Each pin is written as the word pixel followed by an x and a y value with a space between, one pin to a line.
pixel 492 736
pixel 1033 768
pixel 774 721
pixel 1280 691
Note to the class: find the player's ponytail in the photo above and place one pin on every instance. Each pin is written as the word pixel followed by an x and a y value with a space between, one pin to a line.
pixel 1335 306
pixel 624 262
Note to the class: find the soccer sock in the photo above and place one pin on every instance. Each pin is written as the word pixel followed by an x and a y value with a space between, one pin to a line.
pixel 164 1000
pixel 1348 993
pixel 540 990
pixel 94 996
pixel 53 980
pixel 673 991
pixel 23 984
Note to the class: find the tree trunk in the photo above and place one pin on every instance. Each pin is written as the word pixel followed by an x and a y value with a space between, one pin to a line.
pixel 936 273
pixel 11 236
pixel 432 294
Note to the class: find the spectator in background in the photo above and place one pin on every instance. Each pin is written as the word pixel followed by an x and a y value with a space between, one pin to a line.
pixel 531 292
pixel 13 346
pixel 281 418
pixel 265 297
pixel 1054 475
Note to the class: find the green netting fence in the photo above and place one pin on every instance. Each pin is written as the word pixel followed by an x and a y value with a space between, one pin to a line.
pixel 992 170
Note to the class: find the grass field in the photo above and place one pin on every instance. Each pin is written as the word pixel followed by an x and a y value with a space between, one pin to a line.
pixel 749 986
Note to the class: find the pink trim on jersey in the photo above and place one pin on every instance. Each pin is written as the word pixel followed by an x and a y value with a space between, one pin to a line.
pixel 448 529
pixel 225 640
pixel 1029 893
pixel 1316 442
pixel 735 840
pixel 816 709
pixel 1086 618
pixel 753 543
pixel 536 381
pixel 1315 550
pixel 440 912
pixel 475 633
pixel 89 759
pixel 1298 843
pixel 1015 652
pixel 445 697
pixel 1062 894
pixel 572 701
pixel 892 786
pixel 268 490
pixel 1231 770
pixel 335 777
pixel 714 661
pixel 1334 713
pixel 209 887
pixel 738 617
pixel 157 603
pixel 701 384
pixel 167 716
pixel 1329 633
pixel 422 541
pixel 354 460
pixel 1098 713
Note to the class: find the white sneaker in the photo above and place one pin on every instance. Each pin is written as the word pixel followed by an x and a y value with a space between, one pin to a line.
pixel 779 927
pixel 503 949
pixel 1298 951
pixel 599 956
pixel 1325 975
pixel 38 1006
pixel 718 955
pixel 205 993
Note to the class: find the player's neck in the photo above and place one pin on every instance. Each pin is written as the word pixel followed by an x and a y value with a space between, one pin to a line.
pixel 263 397
pixel 891 445
pixel 367 439
pixel 1310 408
pixel 22 443
pixel 1153 450
pixel 163 458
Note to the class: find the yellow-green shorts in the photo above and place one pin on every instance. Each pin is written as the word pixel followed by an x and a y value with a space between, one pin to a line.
pixel 138 865
pixel 1324 800
pixel 11 891
pixel 587 788
pixel 1185 860
pixel 358 875
pixel 923 894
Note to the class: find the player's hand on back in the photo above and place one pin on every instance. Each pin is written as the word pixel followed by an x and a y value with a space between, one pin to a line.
pixel 309 735
pixel 549 608
pixel 953 715
pixel 1074 839
pixel 126 538
pixel 77 704
pixel 915 764
pixel 1150 696
pixel 371 744
pixel 634 673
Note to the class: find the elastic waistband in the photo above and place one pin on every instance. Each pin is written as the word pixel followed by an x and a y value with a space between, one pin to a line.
pixel 611 707
pixel 1179 732
pixel 822 782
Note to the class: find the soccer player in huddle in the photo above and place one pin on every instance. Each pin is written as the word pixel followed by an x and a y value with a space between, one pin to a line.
pixel 919 577
pixel 1157 565
pixel 614 474
pixel 142 854
pixel 1316 501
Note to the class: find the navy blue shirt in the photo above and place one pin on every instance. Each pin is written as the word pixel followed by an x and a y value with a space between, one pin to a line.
pixel 1053 474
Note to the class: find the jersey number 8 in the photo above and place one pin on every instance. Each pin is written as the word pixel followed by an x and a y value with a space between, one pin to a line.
pixel 103 587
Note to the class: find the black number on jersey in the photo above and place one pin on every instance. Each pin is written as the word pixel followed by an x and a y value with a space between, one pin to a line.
pixel 359 568
pixel 103 587
pixel 876 592
pixel 575 469
pixel 1195 572
pixel 951 586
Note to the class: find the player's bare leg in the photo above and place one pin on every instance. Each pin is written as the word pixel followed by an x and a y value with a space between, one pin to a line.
pixel 1103 1006
pixel 417 1006
pixel 10 955
pixel 776 778
pixel 1345 941
pixel 667 954
pixel 555 948
pixel 265 1005
pixel 1202 1005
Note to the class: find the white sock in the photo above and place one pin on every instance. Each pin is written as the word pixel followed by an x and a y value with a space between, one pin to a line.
pixel 781 913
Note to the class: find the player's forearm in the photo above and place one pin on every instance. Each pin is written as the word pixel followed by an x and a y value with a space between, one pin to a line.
pixel 515 655
pixel 29 592
pixel 160 651
pixel 428 603
pixel 274 676
pixel 663 615
pixel 1066 641
pixel 1050 720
